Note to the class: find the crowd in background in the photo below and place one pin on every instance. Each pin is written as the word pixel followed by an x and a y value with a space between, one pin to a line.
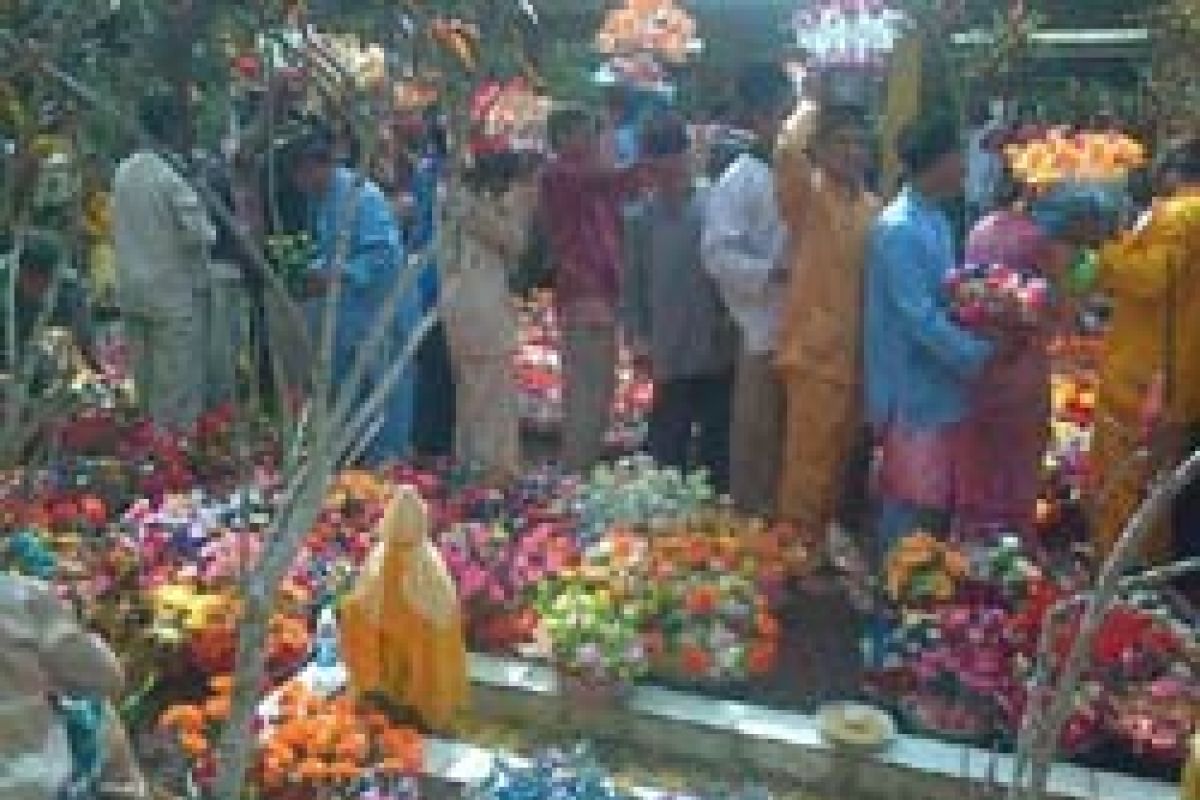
pixel 794 320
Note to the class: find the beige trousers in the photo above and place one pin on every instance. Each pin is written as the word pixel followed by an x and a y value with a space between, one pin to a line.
pixel 589 368
pixel 756 440
pixel 168 355
pixel 487 417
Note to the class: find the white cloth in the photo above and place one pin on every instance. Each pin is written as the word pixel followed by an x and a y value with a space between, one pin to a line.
pixel 984 168
pixel 744 245
pixel 162 234
pixel 43 651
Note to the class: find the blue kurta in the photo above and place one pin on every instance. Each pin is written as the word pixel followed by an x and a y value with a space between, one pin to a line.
pixel 917 361
pixel 375 260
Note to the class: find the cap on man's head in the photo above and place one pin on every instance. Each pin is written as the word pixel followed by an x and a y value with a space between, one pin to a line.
pixel 928 139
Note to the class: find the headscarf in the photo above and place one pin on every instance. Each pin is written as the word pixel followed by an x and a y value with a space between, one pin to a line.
pixel 426 584
pixel 1068 204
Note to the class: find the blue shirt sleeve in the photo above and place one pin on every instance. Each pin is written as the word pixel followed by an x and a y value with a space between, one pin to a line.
pixel 376 251
pixel 915 298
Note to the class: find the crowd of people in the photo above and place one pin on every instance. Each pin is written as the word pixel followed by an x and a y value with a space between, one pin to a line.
pixel 795 323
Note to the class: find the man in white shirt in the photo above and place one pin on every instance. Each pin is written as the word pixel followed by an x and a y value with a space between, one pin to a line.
pixel 743 249
pixel 163 235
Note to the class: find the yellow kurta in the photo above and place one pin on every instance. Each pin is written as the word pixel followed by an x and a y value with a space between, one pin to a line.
pixel 1190 785
pixel 1152 276
pixel 819 349
pixel 401 627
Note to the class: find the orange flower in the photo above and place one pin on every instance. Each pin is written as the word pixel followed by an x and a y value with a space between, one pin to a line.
pixel 766 625
pixel 193 744
pixel 221 684
pixel 216 708
pixel 189 719
pixel 695 660
pixel 701 600
pixel 760 659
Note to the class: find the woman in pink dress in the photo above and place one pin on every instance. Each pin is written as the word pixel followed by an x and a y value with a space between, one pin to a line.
pixel 1005 437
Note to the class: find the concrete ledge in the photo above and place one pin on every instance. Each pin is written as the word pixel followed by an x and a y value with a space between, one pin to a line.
pixel 763 741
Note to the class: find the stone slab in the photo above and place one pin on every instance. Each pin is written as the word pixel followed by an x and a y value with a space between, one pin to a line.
pixel 783 744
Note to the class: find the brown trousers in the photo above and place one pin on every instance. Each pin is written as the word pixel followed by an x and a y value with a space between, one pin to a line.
pixel 589 370
pixel 756 440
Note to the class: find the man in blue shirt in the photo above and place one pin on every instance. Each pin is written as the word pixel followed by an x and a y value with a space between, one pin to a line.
pixel 919 364
pixel 342 204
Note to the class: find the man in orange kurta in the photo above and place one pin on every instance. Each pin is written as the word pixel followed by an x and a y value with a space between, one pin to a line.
pixel 1152 348
pixel 821 164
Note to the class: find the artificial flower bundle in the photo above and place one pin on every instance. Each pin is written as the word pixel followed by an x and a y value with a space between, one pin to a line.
pixel 711 629
pixel 496 569
pixel 995 295
pixel 922 571
pixel 636 494
pixel 1061 155
pixel 594 630
pixel 658 27
pixel 308 746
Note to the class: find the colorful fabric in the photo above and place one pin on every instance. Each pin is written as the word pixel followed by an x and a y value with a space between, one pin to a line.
pixel 1005 435
pixel 374 263
pixel 918 363
pixel 820 342
pixel 744 249
pixel 756 437
pixel 581 207
pixel 1150 275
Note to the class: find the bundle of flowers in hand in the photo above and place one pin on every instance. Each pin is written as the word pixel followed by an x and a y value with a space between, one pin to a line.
pixel 996 296
pixel 291 257
pixel 635 494
pixel 307 746
pixel 496 569
pixel 922 571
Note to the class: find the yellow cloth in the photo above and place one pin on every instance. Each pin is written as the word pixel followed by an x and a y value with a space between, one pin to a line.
pixel 1190 785
pixel 1151 276
pixel 401 628
pixel 819 349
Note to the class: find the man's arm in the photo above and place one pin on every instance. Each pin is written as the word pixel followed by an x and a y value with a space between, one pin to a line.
pixel 191 217
pixel 915 298
pixel 635 300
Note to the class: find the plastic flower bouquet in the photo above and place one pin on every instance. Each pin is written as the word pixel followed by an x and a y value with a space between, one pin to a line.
pixel 636 494
pixel 922 571
pixel 594 635
pixel 996 296
pixel 711 628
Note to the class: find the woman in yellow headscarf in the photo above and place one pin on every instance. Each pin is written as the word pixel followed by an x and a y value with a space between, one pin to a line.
pixel 1152 350
pixel 820 171
pixel 401 628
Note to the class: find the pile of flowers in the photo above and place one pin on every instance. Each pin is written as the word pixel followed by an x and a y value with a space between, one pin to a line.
pixel 922 571
pixel 1062 155
pixel 306 743
pixel 996 295
pixel 657 27
pixel 496 569
pixel 554 773
pixel 635 493
pixel 594 626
